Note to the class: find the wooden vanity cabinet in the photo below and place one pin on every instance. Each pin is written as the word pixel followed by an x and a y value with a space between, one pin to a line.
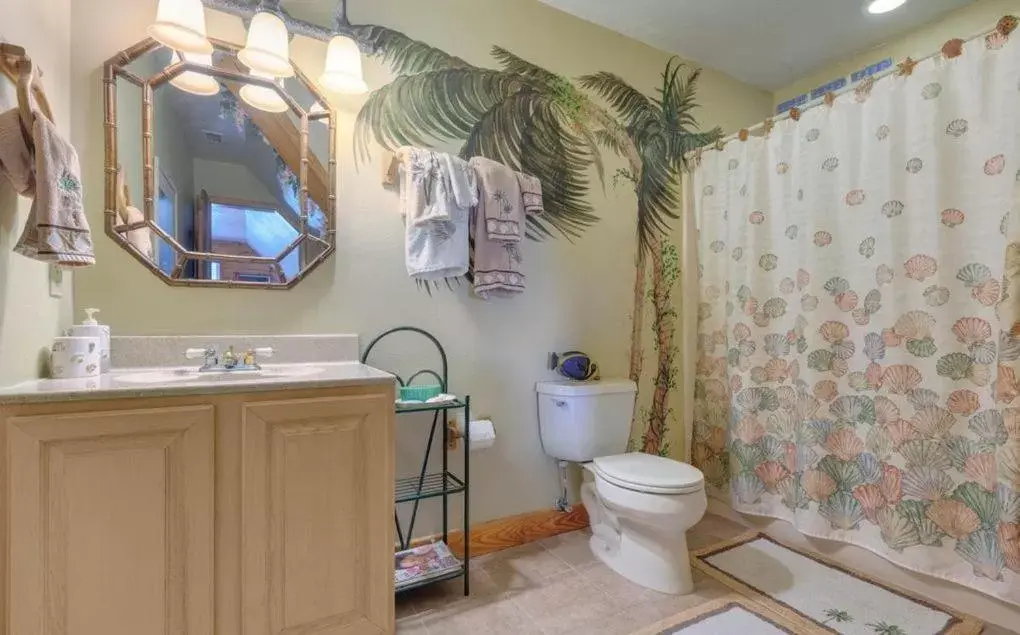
pixel 235 514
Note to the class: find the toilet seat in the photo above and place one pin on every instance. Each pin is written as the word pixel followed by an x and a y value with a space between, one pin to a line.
pixel 640 472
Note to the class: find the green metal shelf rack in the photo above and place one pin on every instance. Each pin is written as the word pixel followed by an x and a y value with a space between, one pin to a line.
pixel 441 484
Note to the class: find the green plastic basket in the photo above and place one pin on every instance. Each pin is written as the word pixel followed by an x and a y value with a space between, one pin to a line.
pixel 421 392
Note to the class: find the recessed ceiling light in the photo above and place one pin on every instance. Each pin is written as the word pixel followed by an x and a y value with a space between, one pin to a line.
pixel 884 6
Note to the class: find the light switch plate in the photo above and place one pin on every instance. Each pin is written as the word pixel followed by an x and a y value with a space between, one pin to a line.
pixel 56 282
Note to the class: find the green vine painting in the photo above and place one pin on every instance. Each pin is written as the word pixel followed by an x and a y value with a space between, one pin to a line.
pixel 541 123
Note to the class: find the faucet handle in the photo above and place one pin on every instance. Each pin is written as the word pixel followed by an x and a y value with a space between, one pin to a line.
pixel 199 353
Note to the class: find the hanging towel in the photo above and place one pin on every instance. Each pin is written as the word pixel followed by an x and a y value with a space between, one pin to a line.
pixel 437 192
pixel 56 231
pixel 15 155
pixel 497 262
pixel 531 193
pixel 140 239
pixel 502 206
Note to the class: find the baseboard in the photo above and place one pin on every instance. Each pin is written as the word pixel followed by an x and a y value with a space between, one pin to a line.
pixel 513 531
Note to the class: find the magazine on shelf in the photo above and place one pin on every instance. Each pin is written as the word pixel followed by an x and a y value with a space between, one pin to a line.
pixel 423 563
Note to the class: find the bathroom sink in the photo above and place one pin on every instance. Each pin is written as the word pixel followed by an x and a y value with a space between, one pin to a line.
pixel 156 377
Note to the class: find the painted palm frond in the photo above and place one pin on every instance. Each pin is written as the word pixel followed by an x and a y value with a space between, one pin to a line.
pixel 634 108
pixel 404 55
pixel 529 133
pixel 436 105
pixel 521 116
pixel 663 130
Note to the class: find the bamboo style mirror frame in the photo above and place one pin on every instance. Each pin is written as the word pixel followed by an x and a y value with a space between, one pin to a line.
pixel 232 195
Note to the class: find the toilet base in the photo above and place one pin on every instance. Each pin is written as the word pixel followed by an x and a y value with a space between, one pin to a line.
pixel 662 564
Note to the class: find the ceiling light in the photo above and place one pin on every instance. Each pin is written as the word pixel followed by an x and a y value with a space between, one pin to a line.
pixel 261 97
pixel 343 72
pixel 192 82
pixel 180 25
pixel 884 6
pixel 268 47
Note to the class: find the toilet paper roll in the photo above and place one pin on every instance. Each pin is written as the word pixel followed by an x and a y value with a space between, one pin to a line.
pixel 483 434
pixel 75 357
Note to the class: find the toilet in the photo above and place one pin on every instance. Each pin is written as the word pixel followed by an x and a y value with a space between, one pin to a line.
pixel 640 505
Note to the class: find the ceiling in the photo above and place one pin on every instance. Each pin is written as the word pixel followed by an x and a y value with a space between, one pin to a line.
pixel 768 44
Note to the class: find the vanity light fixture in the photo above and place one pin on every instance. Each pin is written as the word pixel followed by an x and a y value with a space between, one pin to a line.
pixel 876 7
pixel 263 98
pixel 180 25
pixel 268 46
pixel 271 26
pixel 192 82
pixel 343 73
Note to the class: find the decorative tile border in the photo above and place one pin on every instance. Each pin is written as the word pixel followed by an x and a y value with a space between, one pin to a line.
pixel 147 351
pixel 961 624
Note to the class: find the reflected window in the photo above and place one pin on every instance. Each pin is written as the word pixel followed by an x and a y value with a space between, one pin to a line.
pixel 251 229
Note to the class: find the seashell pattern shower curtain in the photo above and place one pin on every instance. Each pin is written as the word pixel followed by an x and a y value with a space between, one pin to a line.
pixel 859 319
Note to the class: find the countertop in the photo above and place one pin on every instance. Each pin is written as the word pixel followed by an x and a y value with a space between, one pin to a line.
pixel 113 385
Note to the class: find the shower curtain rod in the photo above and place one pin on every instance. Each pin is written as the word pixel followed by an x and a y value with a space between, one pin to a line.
pixel 821 100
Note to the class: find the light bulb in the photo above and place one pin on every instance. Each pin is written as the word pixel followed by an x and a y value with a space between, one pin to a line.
pixel 268 48
pixel 343 73
pixel 884 6
pixel 192 82
pixel 261 97
pixel 180 25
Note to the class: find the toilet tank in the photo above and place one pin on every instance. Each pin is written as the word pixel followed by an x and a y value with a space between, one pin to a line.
pixel 579 421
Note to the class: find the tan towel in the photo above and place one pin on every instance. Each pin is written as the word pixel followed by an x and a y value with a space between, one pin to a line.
pixel 140 239
pixel 57 230
pixel 15 155
pixel 497 263
pixel 531 192
pixel 502 204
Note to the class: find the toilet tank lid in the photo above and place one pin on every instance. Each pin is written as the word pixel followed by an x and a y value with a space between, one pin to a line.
pixel 638 468
pixel 567 388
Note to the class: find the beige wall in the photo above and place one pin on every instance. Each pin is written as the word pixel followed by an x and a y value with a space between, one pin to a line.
pixel 29 317
pixel 579 294
pixel 962 23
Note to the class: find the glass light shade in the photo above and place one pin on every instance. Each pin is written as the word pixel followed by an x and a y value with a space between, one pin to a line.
pixel 268 48
pixel 343 72
pixel 261 97
pixel 180 25
pixel 192 82
pixel 884 6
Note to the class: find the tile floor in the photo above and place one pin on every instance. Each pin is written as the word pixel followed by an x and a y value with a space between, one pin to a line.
pixel 553 587
pixel 557 587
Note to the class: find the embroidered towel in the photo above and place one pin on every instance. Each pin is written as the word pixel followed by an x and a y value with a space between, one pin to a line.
pixel 531 193
pixel 497 263
pixel 437 193
pixel 502 206
pixel 15 155
pixel 57 230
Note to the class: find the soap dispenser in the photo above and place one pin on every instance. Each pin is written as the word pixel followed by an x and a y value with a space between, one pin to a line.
pixel 92 328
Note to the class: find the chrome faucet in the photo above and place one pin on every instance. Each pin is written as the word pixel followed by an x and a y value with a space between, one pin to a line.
pixel 229 362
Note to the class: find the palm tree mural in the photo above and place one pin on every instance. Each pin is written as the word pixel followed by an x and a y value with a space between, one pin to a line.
pixel 541 123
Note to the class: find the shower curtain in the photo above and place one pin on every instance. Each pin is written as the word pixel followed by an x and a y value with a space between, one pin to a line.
pixel 858 327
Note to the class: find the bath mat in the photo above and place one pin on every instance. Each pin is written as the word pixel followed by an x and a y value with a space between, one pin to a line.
pixel 735 614
pixel 834 597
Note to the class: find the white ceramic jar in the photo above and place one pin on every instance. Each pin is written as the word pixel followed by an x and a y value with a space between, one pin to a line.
pixel 75 357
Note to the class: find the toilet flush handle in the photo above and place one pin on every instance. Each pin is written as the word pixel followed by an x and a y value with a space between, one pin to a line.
pixel 560 403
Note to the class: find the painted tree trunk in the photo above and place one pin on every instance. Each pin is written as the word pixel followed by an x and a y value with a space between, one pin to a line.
pixel 637 318
pixel 653 440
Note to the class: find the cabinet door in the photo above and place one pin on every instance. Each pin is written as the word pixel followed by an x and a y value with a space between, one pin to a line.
pixel 318 516
pixel 111 522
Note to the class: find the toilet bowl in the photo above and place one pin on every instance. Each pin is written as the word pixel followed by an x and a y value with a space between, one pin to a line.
pixel 641 507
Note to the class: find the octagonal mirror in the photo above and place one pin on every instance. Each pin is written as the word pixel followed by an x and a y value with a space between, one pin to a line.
pixel 215 176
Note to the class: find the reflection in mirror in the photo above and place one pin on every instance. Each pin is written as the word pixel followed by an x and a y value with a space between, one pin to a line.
pixel 225 188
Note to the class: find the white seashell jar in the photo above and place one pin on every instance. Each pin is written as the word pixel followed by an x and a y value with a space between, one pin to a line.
pixel 75 357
